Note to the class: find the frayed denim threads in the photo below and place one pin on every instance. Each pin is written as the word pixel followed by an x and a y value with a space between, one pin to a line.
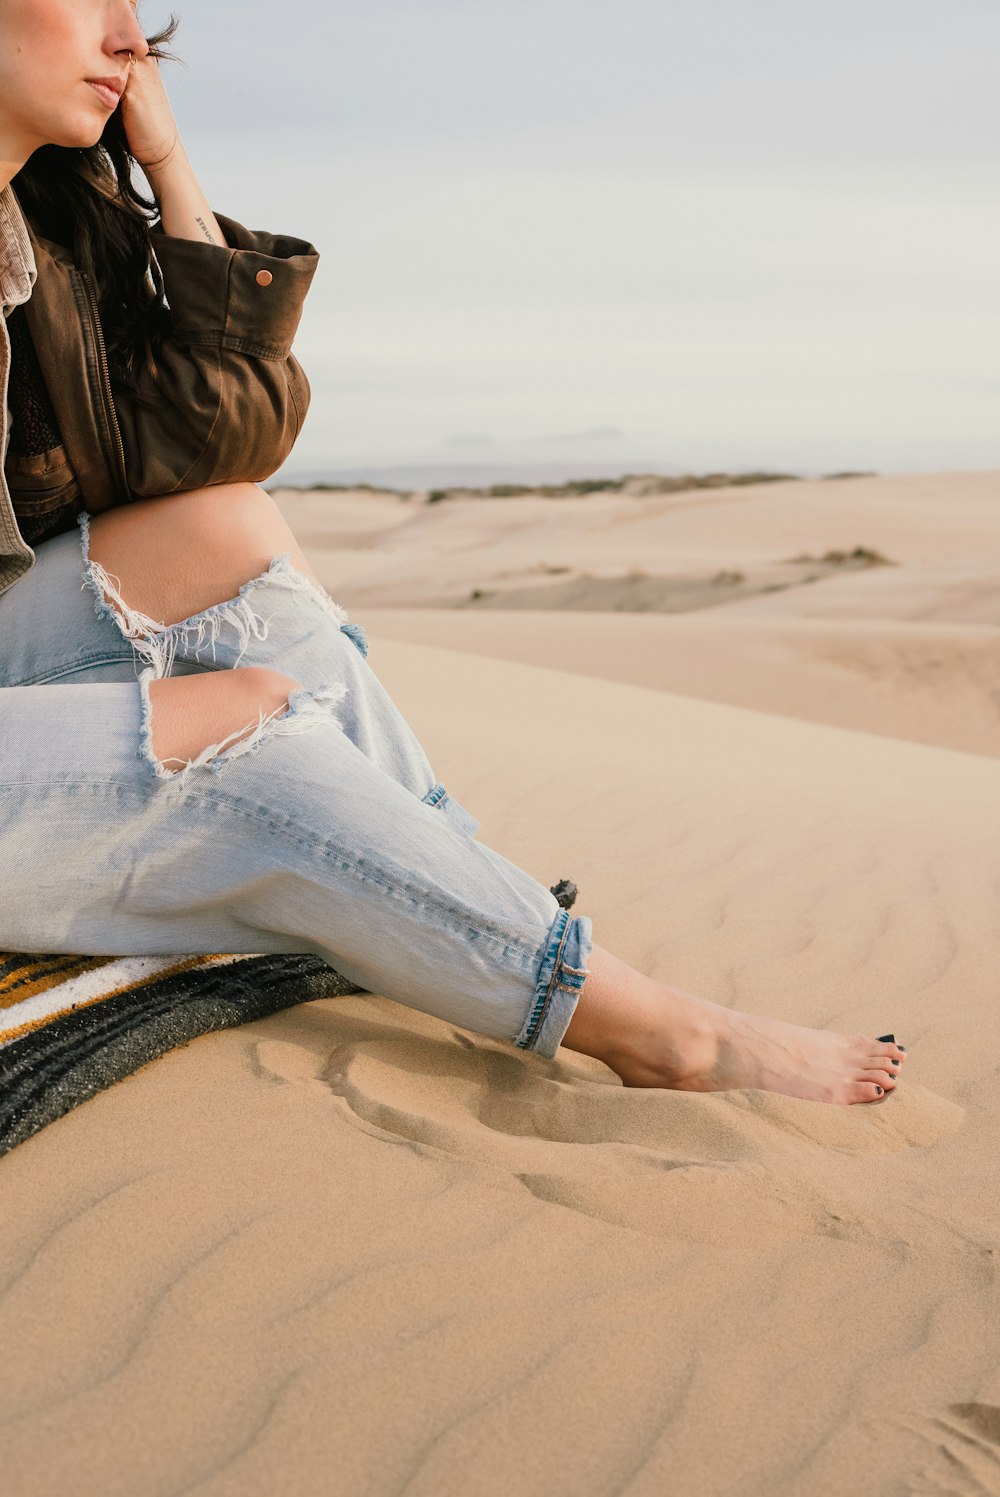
pixel 158 644
pixel 305 708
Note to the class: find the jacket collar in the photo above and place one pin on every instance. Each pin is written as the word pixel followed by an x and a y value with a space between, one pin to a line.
pixel 17 260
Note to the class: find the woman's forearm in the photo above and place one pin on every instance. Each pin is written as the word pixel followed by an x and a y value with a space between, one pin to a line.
pixel 184 209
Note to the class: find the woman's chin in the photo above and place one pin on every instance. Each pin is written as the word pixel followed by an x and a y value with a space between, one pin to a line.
pixel 81 135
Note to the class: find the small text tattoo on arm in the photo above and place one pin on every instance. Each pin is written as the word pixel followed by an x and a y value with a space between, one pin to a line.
pixel 203 226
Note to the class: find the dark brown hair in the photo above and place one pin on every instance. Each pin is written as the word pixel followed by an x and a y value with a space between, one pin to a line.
pixel 88 201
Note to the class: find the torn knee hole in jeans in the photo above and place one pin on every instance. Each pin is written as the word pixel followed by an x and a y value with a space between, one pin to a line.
pixel 305 709
pixel 157 643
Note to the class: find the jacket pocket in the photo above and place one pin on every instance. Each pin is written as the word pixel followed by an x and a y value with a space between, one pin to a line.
pixel 44 493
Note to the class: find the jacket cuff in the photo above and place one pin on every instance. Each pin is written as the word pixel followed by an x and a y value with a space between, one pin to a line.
pixel 247 296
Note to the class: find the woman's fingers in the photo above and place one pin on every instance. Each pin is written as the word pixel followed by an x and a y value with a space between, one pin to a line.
pixel 150 126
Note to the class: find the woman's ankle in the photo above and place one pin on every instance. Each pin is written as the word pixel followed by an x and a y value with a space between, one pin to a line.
pixel 646 1032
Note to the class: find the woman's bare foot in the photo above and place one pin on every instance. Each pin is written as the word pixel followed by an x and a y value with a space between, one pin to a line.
pixel 656 1035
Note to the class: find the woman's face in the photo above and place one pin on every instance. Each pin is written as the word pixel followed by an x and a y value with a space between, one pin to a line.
pixel 52 52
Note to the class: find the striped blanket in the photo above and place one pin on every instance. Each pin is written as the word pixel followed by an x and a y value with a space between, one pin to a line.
pixel 72 1025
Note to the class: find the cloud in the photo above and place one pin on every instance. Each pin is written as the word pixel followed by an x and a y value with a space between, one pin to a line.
pixel 592 434
pixel 470 439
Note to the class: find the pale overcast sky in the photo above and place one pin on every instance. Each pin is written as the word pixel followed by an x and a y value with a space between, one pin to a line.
pixel 621 233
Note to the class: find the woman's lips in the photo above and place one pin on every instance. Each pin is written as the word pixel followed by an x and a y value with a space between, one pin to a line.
pixel 107 92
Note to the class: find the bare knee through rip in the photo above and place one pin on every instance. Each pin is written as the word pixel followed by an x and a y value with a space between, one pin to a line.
pixel 190 713
pixel 178 555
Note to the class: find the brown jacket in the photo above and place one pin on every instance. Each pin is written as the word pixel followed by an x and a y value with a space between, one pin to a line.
pixel 227 402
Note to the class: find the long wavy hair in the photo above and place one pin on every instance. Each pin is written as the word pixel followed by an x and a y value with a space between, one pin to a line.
pixel 88 201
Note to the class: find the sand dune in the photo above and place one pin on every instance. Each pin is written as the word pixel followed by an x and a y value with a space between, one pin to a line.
pixel 868 603
pixel 930 683
pixel 354 1249
pixel 939 532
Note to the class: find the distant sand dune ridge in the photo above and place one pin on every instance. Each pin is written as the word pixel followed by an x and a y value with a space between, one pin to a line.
pixel 706 593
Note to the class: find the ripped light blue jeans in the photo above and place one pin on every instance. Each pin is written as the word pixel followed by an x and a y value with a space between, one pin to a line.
pixel 322 830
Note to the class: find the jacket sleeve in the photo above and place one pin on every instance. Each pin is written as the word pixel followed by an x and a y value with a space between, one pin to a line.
pixel 228 398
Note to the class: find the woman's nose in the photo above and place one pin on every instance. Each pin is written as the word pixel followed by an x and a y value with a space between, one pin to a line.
pixel 129 36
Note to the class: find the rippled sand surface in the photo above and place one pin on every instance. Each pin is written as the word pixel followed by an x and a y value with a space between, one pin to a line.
pixel 351 1249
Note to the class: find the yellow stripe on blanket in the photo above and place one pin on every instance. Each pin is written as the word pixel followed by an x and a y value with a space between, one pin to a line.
pixel 23 976
pixel 38 990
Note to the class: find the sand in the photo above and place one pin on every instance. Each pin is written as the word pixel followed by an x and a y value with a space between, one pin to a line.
pixel 353 1249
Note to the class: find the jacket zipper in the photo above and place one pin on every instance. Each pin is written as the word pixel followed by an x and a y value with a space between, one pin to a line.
pixel 109 404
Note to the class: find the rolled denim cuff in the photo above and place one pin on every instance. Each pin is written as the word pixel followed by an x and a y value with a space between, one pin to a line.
pixel 560 982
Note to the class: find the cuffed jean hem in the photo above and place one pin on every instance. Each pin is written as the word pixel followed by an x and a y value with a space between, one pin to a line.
pixel 560 982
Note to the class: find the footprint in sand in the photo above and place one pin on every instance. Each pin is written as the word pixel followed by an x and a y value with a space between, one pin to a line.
pixel 286 1061
pixel 706 1167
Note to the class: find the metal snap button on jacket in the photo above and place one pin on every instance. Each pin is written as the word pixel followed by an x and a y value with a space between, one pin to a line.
pixel 264 278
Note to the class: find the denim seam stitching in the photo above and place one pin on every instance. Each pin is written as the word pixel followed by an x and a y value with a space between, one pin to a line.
pixel 304 837
pixel 505 944
pixel 81 662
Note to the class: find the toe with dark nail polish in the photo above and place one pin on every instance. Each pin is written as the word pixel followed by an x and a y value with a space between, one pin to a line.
pixel 880 1090
pixel 887 1039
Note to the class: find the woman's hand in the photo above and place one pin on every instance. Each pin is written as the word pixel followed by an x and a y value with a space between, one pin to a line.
pixel 155 142
pixel 150 127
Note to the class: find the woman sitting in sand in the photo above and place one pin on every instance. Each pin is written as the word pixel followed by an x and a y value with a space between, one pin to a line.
pixel 255 790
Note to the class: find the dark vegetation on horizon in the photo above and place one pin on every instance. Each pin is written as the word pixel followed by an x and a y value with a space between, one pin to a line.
pixel 578 488
pixel 645 483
